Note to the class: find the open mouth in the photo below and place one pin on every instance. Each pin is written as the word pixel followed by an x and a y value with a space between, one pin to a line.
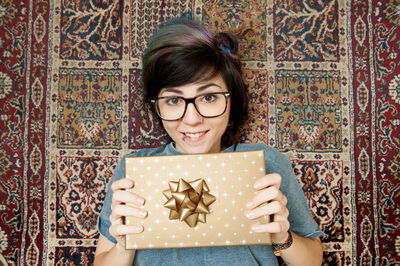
pixel 194 136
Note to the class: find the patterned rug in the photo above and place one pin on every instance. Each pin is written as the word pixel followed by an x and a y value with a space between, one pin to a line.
pixel 324 78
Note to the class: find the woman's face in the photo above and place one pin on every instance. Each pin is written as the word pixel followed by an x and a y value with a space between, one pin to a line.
pixel 194 133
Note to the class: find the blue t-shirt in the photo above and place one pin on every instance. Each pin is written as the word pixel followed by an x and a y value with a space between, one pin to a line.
pixel 300 218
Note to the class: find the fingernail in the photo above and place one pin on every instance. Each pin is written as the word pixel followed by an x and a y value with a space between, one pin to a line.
pixel 128 182
pixel 138 229
pixel 139 201
pixel 257 185
pixel 142 213
pixel 250 215
pixel 249 205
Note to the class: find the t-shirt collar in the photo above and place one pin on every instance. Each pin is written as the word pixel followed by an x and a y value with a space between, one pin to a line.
pixel 172 150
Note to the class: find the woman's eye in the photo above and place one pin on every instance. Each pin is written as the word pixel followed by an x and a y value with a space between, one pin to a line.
pixel 173 100
pixel 208 98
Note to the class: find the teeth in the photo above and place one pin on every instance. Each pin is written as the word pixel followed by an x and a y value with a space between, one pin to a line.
pixel 194 135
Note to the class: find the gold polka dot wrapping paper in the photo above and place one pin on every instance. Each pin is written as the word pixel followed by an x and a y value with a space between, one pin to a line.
pixel 196 200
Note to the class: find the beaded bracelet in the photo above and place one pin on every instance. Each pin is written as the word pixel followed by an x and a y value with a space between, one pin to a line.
pixel 278 247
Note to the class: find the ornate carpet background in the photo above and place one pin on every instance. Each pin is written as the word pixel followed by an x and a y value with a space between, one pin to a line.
pixel 324 78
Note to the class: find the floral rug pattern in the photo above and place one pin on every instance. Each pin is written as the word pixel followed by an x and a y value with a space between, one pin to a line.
pixel 324 83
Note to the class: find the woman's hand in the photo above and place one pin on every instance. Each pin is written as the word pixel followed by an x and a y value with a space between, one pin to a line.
pixel 270 201
pixel 125 203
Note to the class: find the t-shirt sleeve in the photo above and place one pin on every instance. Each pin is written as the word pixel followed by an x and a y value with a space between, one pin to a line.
pixel 300 217
pixel 104 222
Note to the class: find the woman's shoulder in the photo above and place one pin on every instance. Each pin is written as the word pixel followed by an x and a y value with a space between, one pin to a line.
pixel 146 152
pixel 167 149
pixel 259 146
pixel 272 155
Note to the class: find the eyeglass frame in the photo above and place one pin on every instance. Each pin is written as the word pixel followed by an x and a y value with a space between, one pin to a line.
pixel 191 100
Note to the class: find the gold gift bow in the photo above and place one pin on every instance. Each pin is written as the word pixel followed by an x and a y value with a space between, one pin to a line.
pixel 188 201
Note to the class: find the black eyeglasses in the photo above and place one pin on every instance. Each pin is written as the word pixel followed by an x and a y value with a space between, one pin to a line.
pixel 172 108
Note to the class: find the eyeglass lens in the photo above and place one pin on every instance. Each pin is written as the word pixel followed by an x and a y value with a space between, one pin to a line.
pixel 208 105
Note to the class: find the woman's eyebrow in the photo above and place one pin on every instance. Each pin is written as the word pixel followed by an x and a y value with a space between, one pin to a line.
pixel 199 89
pixel 202 88
pixel 173 90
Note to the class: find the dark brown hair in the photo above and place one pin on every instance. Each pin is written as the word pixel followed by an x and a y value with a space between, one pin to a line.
pixel 183 52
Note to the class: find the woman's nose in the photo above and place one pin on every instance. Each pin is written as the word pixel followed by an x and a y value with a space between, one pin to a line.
pixel 191 115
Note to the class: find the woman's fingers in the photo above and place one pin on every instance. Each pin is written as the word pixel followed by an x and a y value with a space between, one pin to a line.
pixel 275 227
pixel 269 201
pixel 119 230
pixel 271 208
pixel 125 203
pixel 271 193
pixel 268 187
pixel 123 183
pixel 124 196
pixel 267 181
pixel 119 211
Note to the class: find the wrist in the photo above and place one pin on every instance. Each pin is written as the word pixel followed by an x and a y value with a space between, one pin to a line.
pixel 280 238
pixel 278 247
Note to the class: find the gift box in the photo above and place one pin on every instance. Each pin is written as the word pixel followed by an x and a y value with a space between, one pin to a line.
pixel 196 200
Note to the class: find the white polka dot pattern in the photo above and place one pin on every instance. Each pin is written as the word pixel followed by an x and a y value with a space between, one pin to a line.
pixel 230 178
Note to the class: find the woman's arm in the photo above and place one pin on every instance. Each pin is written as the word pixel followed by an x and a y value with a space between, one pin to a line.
pixel 108 253
pixel 304 251
pixel 124 203
pixel 271 201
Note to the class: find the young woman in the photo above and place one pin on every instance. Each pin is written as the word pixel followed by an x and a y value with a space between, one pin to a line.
pixel 193 79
